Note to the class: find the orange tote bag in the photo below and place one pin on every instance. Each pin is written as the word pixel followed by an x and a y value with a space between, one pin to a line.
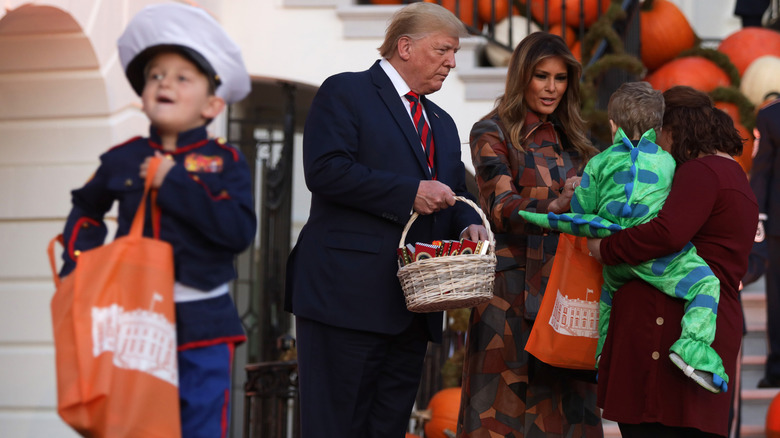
pixel 565 333
pixel 115 337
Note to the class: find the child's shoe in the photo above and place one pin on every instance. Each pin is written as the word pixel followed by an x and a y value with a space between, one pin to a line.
pixel 709 381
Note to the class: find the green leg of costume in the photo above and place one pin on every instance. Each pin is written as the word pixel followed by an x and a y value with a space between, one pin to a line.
pixel 686 276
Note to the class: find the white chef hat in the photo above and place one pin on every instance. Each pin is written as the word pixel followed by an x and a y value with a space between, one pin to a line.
pixel 192 32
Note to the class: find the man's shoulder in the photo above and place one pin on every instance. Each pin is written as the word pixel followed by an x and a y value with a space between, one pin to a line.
pixel 347 78
pixel 127 146
pixel 771 110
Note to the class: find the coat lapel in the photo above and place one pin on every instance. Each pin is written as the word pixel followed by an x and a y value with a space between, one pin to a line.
pixel 390 98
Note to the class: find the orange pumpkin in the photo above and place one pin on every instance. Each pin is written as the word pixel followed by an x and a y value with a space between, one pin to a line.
pixel 465 10
pixel 570 34
pixel 444 407
pixel 485 9
pixel 745 45
pixel 590 10
pixel 664 33
pixel 746 159
pixel 773 418
pixel 693 71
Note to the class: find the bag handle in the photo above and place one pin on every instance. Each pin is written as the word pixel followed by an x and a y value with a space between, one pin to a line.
pixel 137 227
pixel 52 261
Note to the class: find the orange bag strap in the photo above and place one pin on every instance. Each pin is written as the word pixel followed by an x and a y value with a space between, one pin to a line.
pixel 137 227
pixel 52 261
pixel 579 243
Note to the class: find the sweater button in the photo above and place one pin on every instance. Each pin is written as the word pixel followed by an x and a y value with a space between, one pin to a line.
pixel 656 355
pixel 659 321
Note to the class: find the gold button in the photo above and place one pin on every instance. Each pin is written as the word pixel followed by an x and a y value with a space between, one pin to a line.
pixel 659 321
pixel 656 355
pixel 85 225
pixel 128 182
pixel 76 253
pixel 195 177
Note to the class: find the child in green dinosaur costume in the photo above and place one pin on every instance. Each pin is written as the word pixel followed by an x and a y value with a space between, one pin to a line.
pixel 626 185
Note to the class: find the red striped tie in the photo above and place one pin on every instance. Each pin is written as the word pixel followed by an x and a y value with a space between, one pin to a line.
pixel 426 138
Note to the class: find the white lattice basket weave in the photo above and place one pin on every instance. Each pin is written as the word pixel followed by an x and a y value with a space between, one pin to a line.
pixel 449 282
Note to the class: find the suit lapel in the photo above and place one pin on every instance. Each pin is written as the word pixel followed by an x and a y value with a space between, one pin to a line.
pixel 393 102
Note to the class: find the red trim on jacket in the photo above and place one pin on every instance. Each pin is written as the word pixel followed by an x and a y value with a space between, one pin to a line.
pixel 229 148
pixel 182 149
pixel 74 235
pixel 221 197
pixel 211 342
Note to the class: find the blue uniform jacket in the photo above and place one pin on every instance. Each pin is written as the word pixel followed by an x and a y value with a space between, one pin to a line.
pixel 206 214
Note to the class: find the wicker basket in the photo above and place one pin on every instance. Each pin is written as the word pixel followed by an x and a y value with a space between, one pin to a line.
pixel 449 282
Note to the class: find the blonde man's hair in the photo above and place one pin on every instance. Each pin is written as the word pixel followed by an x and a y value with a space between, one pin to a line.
pixel 418 20
pixel 637 108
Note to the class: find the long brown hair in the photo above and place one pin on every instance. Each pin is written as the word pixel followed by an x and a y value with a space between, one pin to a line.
pixel 696 126
pixel 512 108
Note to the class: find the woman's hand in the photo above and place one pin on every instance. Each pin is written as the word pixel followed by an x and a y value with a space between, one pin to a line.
pixel 562 203
pixel 594 246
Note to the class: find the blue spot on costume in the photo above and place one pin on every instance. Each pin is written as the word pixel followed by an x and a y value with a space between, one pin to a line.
pixel 624 186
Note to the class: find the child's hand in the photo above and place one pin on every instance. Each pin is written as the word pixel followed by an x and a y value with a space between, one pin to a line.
pixel 561 204
pixel 165 166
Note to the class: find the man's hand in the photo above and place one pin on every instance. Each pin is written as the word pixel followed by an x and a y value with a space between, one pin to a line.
pixel 433 196
pixel 475 233
pixel 162 170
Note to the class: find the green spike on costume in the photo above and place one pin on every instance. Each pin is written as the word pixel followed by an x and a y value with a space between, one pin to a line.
pixel 624 186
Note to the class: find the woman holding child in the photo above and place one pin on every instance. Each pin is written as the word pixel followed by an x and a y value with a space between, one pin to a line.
pixel 528 154
pixel 712 206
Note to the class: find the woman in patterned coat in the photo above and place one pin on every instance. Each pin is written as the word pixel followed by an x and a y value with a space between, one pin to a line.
pixel 528 154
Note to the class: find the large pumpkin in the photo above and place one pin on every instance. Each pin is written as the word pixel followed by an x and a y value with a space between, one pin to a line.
pixel 664 33
pixel 567 33
pixel 773 418
pixel 444 407
pixel 465 10
pixel 760 78
pixel 693 71
pixel 590 10
pixel 746 159
pixel 486 12
pixel 749 43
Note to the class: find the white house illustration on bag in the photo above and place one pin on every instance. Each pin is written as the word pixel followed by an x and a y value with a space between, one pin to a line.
pixel 141 340
pixel 575 317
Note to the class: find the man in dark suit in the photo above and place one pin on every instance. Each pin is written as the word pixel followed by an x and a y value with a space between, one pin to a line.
pixel 360 351
pixel 765 181
pixel 751 11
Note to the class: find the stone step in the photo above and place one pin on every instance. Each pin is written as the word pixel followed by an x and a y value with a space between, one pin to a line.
pixel 611 430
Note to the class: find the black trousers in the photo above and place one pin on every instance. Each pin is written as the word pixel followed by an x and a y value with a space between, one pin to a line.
pixel 357 384
pixel 658 430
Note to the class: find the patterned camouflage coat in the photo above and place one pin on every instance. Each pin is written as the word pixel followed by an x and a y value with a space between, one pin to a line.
pixel 507 392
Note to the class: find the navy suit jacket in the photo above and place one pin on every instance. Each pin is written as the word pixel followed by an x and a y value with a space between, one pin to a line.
pixel 765 172
pixel 363 162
